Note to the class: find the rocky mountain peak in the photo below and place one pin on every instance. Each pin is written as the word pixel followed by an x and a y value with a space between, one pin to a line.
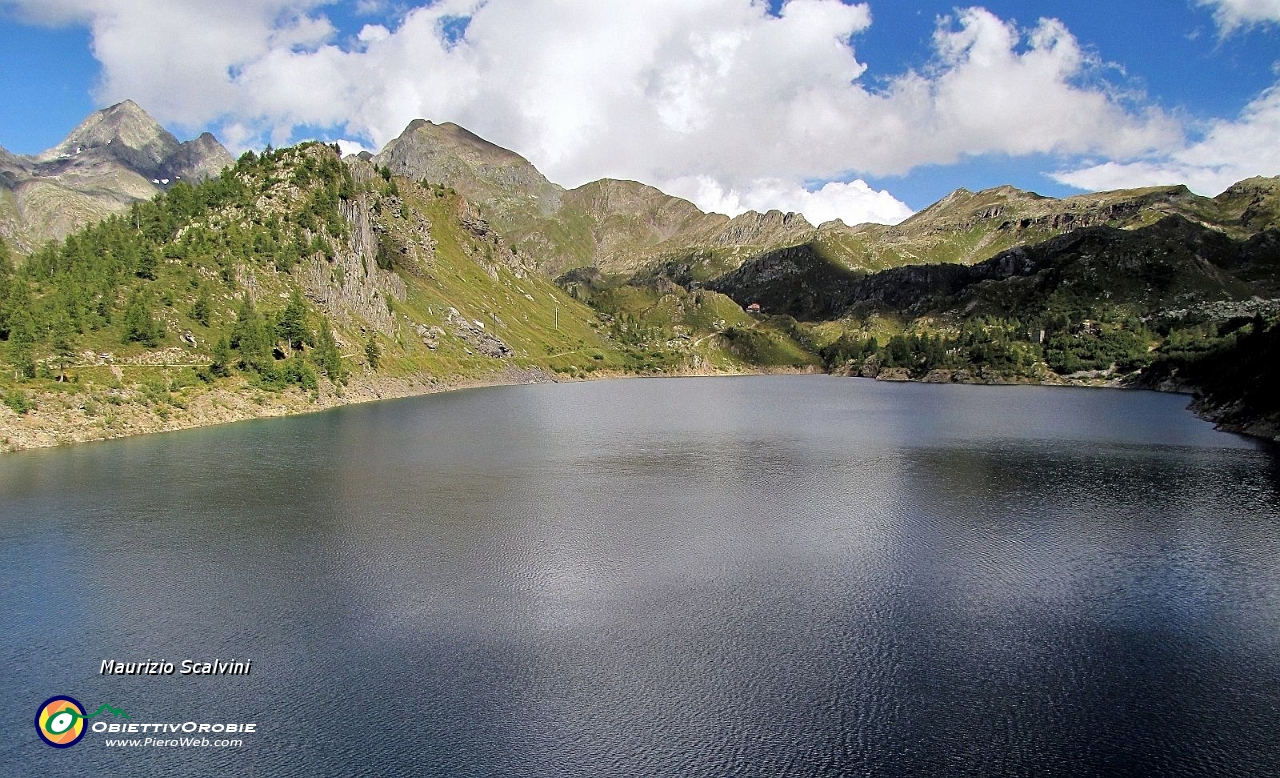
pixel 963 205
pixel 485 173
pixel 1009 192
pixel 1253 202
pixel 124 135
pixel 609 197
pixel 122 126
pixel 424 144
pixel 199 159
pixel 113 158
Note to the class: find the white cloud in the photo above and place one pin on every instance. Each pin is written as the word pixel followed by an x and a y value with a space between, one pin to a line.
pixel 348 147
pixel 657 91
pixel 1234 14
pixel 853 202
pixel 239 138
pixel 1229 151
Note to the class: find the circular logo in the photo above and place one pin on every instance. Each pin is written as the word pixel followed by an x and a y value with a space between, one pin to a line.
pixel 60 721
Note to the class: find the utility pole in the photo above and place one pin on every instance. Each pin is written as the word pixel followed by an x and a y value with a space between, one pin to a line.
pixel 557 317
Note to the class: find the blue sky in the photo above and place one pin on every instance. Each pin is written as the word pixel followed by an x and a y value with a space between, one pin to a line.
pixel 858 111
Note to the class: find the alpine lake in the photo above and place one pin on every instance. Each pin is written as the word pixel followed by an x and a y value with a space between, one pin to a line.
pixel 757 576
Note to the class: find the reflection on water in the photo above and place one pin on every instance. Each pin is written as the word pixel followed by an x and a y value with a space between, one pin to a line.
pixel 758 576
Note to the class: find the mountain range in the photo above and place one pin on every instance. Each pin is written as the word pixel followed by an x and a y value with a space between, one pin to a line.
pixel 452 259
pixel 625 226
pixel 121 155
pixel 114 158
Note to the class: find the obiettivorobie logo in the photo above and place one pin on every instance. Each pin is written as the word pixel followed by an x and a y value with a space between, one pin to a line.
pixel 60 720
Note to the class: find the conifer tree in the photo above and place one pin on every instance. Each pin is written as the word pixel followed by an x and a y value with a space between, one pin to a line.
pixel 64 344
pixel 220 365
pixel 292 326
pixel 251 338
pixel 327 354
pixel 22 337
pixel 140 323
pixel 200 308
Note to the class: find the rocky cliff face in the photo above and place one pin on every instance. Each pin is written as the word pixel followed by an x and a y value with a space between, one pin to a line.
pixel 199 159
pixel 764 229
pixel 349 286
pixel 1170 266
pixel 114 158
pixel 124 133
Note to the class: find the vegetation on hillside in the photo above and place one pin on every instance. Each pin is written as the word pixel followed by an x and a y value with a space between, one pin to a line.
pixel 1233 367
pixel 169 272
pixel 295 271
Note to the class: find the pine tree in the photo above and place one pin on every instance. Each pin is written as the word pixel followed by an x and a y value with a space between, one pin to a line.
pixel 292 326
pixel 220 365
pixel 243 315
pixel 200 309
pixel 372 351
pixel 147 265
pixel 327 354
pixel 9 292
pixel 22 337
pixel 6 270
pixel 64 344
pixel 140 323
pixel 250 336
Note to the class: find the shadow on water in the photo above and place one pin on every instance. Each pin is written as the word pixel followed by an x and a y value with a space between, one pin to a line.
pixel 782 576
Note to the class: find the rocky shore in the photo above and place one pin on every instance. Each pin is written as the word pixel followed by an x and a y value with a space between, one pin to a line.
pixel 63 419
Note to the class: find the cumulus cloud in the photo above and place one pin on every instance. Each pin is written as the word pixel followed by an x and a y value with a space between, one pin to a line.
pixel 1229 151
pixel 348 147
pixel 1234 14
pixel 756 103
pixel 180 58
pixel 834 200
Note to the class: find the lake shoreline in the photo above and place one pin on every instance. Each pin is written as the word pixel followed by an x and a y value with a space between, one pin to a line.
pixel 69 419
pixel 66 419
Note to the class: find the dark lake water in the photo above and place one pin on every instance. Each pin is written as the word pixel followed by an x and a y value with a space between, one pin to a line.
pixel 713 577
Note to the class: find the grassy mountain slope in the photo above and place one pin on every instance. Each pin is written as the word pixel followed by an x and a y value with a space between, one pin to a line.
pixel 295 280
pixel 625 228
pixel 615 226
pixel 1100 300
pixel 1087 289
pixel 292 279
pixel 968 227
pixel 1170 264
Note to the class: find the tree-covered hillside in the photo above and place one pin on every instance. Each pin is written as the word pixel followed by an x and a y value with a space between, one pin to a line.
pixel 296 279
